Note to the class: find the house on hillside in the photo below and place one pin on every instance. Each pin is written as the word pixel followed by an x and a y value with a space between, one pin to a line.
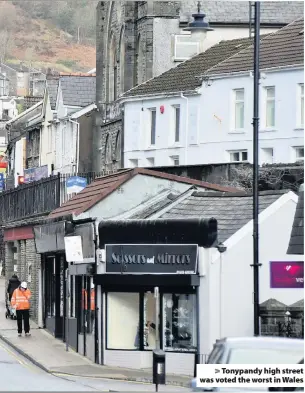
pixel 161 44
pixel 24 81
pixel 201 113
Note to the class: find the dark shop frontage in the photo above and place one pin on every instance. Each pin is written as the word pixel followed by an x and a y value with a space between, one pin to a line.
pixel 68 293
pixel 147 289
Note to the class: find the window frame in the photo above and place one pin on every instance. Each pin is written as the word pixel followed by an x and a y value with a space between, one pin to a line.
pixel 296 149
pixel 153 126
pixel 236 103
pixel 191 43
pixel 269 100
pixel 141 292
pixel 240 152
pixel 300 115
pixel 177 124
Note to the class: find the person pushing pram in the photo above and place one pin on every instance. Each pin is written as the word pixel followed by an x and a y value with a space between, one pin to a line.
pixel 13 284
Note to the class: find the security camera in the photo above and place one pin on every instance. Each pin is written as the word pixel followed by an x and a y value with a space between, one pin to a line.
pixel 221 248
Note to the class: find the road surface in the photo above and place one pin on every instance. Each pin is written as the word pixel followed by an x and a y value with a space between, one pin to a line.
pixel 18 374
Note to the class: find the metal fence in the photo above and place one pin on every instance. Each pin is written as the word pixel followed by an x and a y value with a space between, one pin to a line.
pixel 39 197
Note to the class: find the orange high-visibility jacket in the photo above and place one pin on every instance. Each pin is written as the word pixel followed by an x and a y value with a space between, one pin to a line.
pixel 92 299
pixel 21 299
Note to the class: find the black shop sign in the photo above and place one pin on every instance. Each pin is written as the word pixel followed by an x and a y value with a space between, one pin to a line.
pixel 151 258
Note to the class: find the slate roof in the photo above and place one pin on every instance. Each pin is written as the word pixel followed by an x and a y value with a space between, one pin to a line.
pixel 282 48
pixel 272 12
pixel 232 211
pixel 105 185
pixel 296 244
pixel 155 205
pixel 52 86
pixel 78 90
pixel 186 76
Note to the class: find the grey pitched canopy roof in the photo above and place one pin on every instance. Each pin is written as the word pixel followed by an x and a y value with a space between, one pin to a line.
pixel 186 76
pixel 78 90
pixel 232 211
pixel 272 12
pixel 296 244
pixel 282 48
pixel 52 86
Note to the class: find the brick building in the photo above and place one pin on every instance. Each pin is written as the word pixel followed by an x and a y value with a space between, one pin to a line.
pixel 139 40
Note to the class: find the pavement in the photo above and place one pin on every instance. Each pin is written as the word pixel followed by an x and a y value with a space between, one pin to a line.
pixel 50 355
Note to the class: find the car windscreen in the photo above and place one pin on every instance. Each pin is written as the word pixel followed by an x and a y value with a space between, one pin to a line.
pixel 264 356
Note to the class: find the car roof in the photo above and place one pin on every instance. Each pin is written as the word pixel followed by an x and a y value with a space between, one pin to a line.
pixel 262 342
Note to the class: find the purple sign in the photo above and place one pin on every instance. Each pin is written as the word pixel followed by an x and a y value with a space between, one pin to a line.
pixel 35 174
pixel 287 274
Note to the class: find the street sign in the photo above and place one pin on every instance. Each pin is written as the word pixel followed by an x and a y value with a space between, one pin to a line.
pixel 75 184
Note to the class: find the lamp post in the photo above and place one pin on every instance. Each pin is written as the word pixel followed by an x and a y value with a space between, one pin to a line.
pixel 285 328
pixel 256 265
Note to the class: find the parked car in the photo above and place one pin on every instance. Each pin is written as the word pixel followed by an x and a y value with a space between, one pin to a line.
pixel 253 350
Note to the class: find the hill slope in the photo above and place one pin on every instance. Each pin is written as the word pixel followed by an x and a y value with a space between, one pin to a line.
pixel 40 42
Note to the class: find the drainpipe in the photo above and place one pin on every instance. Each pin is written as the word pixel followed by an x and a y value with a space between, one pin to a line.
pixel 186 127
pixel 77 143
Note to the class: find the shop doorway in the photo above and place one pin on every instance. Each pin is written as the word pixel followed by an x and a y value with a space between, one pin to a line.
pixel 85 312
pixel 54 270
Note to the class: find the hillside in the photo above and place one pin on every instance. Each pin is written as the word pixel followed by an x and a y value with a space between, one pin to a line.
pixel 37 40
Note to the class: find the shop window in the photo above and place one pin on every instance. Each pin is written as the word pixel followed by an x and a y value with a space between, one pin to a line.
pixel 179 322
pixel 149 328
pixel 123 320
pixel 50 286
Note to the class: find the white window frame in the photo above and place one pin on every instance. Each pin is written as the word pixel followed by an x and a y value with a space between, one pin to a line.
pixel 175 108
pixel 174 159
pixel 300 106
pixel 297 156
pixel 264 150
pixel 239 152
pixel 267 102
pixel 151 111
pixel 235 103
pixel 191 43
pixel 134 162
pixel 150 161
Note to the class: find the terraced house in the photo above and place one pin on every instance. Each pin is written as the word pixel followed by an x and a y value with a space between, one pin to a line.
pixel 139 40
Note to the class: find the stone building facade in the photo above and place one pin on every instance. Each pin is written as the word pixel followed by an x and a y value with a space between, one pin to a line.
pixel 135 41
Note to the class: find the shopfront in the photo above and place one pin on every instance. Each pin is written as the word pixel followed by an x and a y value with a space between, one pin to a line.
pixel 155 264
pixel 68 289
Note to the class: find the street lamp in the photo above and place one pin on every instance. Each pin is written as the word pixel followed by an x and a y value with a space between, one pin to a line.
pixel 285 328
pixel 256 265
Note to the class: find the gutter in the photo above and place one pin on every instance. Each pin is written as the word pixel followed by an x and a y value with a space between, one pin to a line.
pixel 247 72
pixel 24 113
pixel 158 95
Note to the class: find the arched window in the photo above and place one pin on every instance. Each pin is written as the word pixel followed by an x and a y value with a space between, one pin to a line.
pixel 108 154
pixel 122 62
pixel 140 61
pixel 118 150
pixel 112 78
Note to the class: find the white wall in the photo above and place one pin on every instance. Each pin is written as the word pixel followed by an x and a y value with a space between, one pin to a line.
pixel 47 152
pixel 230 301
pixel 65 146
pixel 163 43
pixel 134 192
pixel 209 124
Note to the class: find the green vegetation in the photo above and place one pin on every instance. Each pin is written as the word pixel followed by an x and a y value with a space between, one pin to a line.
pixel 67 63
pixel 76 17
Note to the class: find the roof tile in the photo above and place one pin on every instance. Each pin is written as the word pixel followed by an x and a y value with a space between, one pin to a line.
pixel 103 186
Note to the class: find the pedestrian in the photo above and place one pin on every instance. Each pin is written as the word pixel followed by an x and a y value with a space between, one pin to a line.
pixel 13 283
pixel 21 302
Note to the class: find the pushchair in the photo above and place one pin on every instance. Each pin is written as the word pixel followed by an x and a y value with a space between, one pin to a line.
pixel 10 311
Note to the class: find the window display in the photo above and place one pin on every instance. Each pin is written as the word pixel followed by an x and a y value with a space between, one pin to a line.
pixel 149 321
pixel 123 320
pixel 179 322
